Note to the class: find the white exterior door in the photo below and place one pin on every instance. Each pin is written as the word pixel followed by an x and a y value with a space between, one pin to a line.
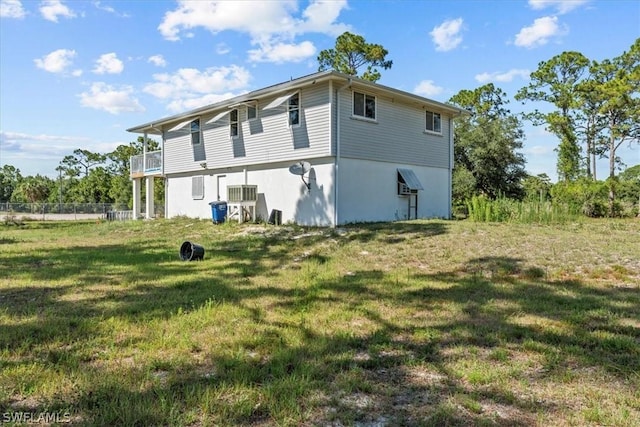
pixel 221 186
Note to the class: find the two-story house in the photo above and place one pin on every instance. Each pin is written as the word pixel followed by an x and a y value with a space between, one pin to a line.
pixel 324 149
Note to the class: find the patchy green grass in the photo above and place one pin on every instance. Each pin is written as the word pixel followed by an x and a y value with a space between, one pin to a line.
pixel 409 323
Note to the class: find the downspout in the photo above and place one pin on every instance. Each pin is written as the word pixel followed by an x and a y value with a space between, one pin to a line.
pixel 336 168
pixel 451 160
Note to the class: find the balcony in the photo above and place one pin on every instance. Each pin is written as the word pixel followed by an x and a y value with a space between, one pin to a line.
pixel 146 164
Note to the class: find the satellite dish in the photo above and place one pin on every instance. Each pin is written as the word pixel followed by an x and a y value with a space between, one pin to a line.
pixel 301 168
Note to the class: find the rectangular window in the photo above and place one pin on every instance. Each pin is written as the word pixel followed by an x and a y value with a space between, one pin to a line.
pixel 252 111
pixel 233 123
pixel 197 187
pixel 294 110
pixel 195 132
pixel 364 105
pixel 433 122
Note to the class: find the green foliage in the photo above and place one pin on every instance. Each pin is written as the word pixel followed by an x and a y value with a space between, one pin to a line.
pixel 9 179
pixel 537 187
pixel 485 146
pixel 84 177
pixel 483 209
pixel 352 52
pixel 33 189
pixel 556 82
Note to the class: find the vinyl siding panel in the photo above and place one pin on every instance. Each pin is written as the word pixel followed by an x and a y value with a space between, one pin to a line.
pixel 397 135
pixel 265 139
pixel 178 152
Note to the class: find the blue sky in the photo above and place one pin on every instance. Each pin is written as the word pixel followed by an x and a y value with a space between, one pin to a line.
pixel 76 74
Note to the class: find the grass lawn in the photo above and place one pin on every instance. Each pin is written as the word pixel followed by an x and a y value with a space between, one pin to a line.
pixel 429 323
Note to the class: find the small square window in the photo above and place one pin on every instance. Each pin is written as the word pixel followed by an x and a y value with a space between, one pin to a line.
pixel 433 122
pixel 364 105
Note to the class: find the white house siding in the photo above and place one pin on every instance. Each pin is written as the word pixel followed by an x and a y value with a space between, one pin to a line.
pixel 368 192
pixel 397 135
pixel 263 140
pixel 277 189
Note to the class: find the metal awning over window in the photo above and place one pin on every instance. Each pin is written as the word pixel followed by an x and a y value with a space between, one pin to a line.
pixel 218 116
pixel 279 101
pixel 180 125
pixel 409 178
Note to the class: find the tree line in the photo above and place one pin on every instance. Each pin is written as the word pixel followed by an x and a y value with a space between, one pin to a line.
pixel 83 177
pixel 592 107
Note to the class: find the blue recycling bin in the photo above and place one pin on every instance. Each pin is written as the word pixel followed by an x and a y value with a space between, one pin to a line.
pixel 218 211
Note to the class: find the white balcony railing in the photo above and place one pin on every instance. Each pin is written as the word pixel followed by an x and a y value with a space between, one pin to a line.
pixel 146 164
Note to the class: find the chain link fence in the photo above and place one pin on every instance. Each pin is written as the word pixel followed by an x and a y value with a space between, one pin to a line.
pixel 45 211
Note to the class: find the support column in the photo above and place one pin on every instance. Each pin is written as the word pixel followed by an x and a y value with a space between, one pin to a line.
pixel 137 184
pixel 150 208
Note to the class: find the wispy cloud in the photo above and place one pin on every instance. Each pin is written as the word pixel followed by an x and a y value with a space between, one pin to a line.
pixel 108 63
pixel 503 77
pixel 109 9
pixel 447 36
pixel 561 6
pixel 114 100
pixel 428 89
pixel 11 9
pixel 192 88
pixel 52 9
pixel 540 32
pixel 58 61
pixel 272 25
pixel 158 60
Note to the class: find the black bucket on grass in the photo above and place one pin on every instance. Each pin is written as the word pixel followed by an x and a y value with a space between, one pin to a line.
pixel 191 252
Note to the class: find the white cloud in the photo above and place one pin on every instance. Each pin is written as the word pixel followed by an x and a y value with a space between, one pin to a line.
pixel 180 105
pixel 105 97
pixel 282 52
pixel 538 150
pixel 503 77
pixel 222 49
pixel 11 9
pixel 193 81
pixel 272 25
pixel 52 9
pixel 108 63
pixel 561 6
pixel 446 36
pixel 427 89
pixel 539 32
pixel 57 61
pixel 109 9
pixel 158 60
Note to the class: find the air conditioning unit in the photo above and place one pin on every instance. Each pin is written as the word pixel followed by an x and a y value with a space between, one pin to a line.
pixel 242 193
pixel 403 189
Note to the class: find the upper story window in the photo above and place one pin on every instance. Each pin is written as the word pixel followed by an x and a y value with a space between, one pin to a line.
pixel 252 111
pixel 293 108
pixel 233 123
pixel 195 132
pixel 364 105
pixel 433 122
